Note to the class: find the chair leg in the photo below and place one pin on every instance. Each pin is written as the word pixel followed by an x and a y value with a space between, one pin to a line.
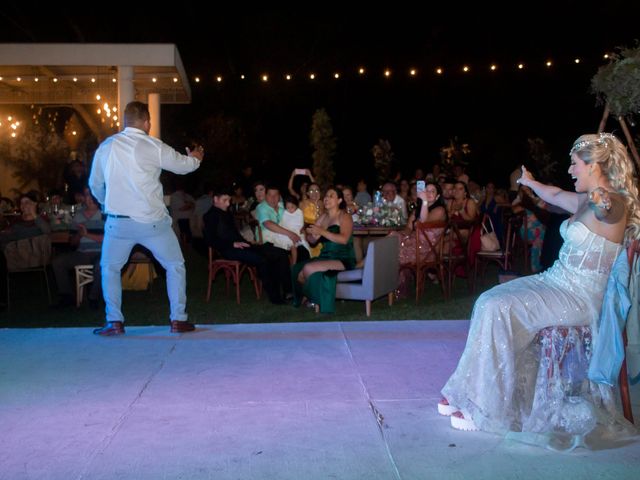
pixel 624 392
pixel 367 307
pixel 237 282
pixel 317 308
pixel 46 281
pixel 390 298
pixel 254 278
pixel 211 274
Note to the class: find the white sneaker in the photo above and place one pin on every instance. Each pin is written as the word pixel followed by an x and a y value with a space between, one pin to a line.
pixel 460 423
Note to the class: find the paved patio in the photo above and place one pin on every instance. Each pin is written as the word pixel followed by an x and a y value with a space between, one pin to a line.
pixel 259 401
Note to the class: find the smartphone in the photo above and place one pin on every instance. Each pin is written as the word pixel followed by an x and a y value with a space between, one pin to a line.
pixel 301 171
pixel 420 186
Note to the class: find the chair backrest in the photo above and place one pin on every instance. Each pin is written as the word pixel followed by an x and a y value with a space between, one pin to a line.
pixel 423 241
pixel 28 253
pixel 381 266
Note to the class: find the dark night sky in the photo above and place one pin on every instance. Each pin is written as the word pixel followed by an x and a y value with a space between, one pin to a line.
pixel 493 112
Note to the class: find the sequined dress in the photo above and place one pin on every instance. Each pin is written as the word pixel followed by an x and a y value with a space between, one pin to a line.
pixel 499 382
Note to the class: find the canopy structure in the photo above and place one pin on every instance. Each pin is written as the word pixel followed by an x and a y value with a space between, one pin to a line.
pixel 96 80
pixel 93 74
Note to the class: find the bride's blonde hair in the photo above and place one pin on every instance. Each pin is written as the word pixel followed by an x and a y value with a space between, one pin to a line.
pixel 611 155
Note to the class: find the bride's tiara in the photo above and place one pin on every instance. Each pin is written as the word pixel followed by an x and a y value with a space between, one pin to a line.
pixel 586 143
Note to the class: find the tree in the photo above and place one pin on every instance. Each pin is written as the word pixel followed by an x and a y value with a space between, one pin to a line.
pixel 324 145
pixel 617 86
pixel 38 155
pixel 383 158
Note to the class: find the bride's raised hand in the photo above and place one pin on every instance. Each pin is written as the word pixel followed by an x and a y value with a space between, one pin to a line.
pixel 526 178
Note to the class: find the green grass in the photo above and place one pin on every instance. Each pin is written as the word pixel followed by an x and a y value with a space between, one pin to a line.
pixel 29 306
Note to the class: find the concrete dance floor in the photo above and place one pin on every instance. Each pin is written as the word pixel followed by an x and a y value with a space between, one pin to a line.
pixel 256 401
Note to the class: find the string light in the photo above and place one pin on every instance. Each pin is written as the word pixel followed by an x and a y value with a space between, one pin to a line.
pixel 413 72
pixel 265 78
pixel 288 77
pixel 218 79
pixel 549 63
pixel 493 67
pixel 520 66
pixel 439 71
pixel 312 76
pixel 361 71
pixel 577 60
pixel 336 75
pixel 465 69
pixel 197 79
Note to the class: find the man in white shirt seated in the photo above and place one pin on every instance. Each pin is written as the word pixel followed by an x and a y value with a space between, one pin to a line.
pixel 390 195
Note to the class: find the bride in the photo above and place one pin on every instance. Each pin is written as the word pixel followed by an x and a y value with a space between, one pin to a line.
pixel 495 386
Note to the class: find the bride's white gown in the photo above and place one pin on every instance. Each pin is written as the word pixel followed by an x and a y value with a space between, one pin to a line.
pixel 499 381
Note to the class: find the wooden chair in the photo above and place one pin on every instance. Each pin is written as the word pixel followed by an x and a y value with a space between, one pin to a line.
pixel 502 257
pixel 455 253
pixel 28 255
pixel 233 270
pixel 434 259
pixel 84 276
pixel 568 335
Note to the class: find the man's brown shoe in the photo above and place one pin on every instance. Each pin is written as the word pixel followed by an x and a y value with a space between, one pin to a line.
pixel 181 327
pixel 110 329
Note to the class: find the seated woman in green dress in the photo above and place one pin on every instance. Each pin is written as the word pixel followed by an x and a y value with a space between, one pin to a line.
pixel 316 278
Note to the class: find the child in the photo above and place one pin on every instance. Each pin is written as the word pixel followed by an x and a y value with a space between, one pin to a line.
pixel 293 220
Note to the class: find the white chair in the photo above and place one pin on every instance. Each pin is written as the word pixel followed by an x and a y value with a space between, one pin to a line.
pixel 84 276
pixel 378 277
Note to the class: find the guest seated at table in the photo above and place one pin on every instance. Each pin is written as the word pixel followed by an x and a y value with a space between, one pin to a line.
pixel 351 205
pixel 363 196
pixel 28 225
pixel 221 233
pixel 89 225
pixel 463 211
pixel 259 193
pixel 57 212
pixel 533 208
pixel 430 208
pixel 490 206
pixel 316 278
pixel 238 200
pixel 390 195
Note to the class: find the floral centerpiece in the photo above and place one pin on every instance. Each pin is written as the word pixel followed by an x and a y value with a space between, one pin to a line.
pixel 383 214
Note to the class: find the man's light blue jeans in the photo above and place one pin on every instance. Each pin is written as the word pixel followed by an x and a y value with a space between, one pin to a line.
pixel 121 234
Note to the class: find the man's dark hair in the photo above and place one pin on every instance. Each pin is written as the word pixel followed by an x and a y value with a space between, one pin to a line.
pixel 220 190
pixel 136 112
pixel 450 180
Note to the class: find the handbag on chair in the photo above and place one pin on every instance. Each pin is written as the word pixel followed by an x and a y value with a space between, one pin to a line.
pixel 488 239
